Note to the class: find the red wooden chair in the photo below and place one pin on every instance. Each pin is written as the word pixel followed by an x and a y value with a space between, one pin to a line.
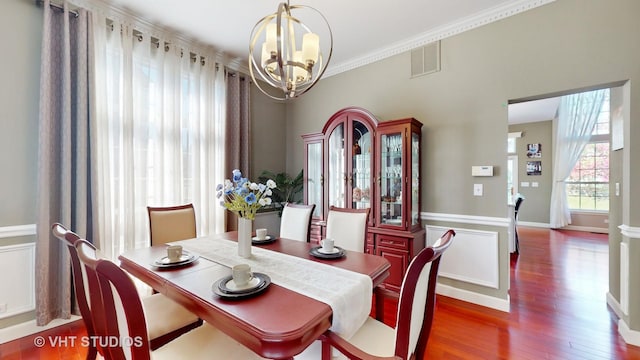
pixel 169 319
pixel 416 306
pixel 119 314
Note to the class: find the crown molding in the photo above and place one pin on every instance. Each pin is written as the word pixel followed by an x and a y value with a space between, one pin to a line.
pixel 471 22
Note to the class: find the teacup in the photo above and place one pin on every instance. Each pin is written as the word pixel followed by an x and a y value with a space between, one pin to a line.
pixel 327 245
pixel 241 274
pixel 174 252
pixel 261 234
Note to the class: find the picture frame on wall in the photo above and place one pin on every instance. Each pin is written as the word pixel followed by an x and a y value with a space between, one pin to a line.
pixel 534 150
pixel 534 167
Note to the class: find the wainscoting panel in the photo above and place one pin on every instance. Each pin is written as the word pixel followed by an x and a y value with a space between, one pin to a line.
pixel 17 263
pixel 624 278
pixel 472 257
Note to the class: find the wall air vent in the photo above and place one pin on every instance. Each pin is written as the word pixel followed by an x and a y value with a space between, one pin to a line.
pixel 425 59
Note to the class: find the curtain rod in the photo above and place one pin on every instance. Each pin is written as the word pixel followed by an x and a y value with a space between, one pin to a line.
pixel 40 3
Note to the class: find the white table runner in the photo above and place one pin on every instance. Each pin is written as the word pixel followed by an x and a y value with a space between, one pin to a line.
pixel 347 292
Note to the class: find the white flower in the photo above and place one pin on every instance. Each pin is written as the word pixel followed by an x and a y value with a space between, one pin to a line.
pixel 253 186
pixel 271 184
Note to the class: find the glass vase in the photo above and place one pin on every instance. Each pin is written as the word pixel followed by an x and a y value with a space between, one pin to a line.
pixel 244 237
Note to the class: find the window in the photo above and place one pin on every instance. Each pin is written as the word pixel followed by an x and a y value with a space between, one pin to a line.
pixel 588 184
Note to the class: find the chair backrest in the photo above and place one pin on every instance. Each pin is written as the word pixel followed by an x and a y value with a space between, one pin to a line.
pixel 348 227
pixel 296 221
pixel 117 308
pixel 69 238
pixel 519 201
pixel 416 305
pixel 171 223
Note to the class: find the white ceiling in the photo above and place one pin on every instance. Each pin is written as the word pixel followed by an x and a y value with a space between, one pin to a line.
pixel 533 111
pixel 363 31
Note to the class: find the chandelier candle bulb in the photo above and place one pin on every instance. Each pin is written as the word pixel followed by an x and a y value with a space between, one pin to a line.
pixel 310 47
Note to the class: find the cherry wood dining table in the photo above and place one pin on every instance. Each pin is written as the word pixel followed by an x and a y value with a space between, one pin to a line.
pixel 277 323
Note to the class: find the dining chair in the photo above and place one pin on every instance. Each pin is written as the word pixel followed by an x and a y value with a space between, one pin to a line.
pixel 348 227
pixel 168 320
pixel 296 221
pixel 171 223
pixel 121 315
pixel 519 201
pixel 416 306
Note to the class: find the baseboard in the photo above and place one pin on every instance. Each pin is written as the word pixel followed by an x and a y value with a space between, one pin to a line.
pixel 631 337
pixel 29 328
pixel 533 224
pixel 587 229
pixel 614 305
pixel 474 298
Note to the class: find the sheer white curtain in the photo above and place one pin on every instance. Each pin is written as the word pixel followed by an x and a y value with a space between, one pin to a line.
pixel 577 116
pixel 160 110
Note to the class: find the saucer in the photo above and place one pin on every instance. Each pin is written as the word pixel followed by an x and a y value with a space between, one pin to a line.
pixel 185 259
pixel 220 286
pixel 335 250
pixel 268 239
pixel 336 254
pixel 253 283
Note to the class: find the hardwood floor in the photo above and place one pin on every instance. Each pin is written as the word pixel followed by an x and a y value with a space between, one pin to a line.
pixel 558 310
pixel 558 307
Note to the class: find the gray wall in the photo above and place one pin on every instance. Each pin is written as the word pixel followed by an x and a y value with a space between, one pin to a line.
pixel 564 46
pixel 535 207
pixel 20 34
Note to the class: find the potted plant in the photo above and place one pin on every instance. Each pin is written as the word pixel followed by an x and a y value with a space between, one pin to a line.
pixel 287 188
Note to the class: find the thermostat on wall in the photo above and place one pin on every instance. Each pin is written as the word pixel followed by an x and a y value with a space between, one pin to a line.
pixel 482 171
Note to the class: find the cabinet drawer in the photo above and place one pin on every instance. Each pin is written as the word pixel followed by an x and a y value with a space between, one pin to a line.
pixel 393 242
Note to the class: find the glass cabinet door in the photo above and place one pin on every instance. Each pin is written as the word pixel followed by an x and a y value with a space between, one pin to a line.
pixel 314 177
pixel 415 179
pixel 391 175
pixel 336 176
pixel 361 163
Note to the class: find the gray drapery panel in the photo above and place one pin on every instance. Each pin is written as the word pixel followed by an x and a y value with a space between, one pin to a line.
pixel 64 154
pixel 237 131
pixel 238 128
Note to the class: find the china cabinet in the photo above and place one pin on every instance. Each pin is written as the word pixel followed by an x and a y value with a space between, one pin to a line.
pixel 360 162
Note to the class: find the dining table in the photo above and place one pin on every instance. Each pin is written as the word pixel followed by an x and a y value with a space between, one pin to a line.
pixel 277 323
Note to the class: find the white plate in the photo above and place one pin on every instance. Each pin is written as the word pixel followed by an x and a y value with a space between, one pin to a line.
pixel 334 251
pixel 266 238
pixel 231 285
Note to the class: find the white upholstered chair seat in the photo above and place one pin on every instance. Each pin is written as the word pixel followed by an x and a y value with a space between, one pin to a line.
pixel 375 338
pixel 295 221
pixel 348 228
pixel 164 315
pixel 204 342
pixel 171 223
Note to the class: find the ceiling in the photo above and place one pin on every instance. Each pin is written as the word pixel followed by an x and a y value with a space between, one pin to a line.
pixel 362 33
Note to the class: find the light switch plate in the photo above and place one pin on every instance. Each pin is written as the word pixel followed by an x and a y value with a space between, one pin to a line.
pixel 524 184
pixel 477 189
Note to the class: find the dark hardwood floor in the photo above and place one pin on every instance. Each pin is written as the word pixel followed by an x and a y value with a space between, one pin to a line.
pixel 558 310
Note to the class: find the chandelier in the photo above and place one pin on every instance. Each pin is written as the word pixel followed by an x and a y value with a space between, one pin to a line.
pixel 286 54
